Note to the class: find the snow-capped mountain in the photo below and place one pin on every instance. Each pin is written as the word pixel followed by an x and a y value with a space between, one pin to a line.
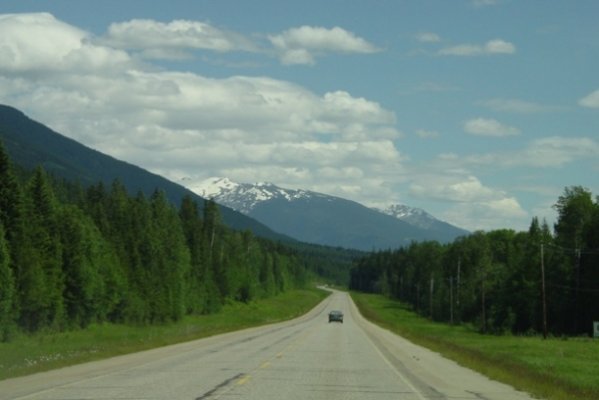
pixel 414 216
pixel 244 197
pixel 328 220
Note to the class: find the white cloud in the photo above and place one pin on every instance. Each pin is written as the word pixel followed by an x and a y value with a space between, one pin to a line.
pixel 591 100
pixel 177 124
pixel 489 127
pixel 247 128
pixel 39 43
pixel 302 45
pixel 428 37
pixel 499 46
pixel 489 215
pixel 451 188
pixel 170 40
pixel 475 206
pixel 492 47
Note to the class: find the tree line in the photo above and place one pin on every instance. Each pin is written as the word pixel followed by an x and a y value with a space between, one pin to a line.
pixel 71 256
pixel 500 281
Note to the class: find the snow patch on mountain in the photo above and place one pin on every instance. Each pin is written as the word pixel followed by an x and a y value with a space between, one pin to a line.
pixel 299 214
pixel 242 197
pixel 211 187
pixel 415 216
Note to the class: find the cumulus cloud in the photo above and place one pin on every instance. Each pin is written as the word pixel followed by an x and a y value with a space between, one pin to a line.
pixel 492 47
pixel 247 128
pixel 455 189
pixel 489 127
pixel 39 43
pixel 475 206
pixel 185 124
pixel 171 40
pixel 591 100
pixel 489 215
pixel 302 45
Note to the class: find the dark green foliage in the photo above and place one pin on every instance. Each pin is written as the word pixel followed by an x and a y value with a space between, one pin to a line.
pixel 7 291
pixel 41 277
pixel 98 254
pixel 11 201
pixel 493 279
pixel 93 283
pixel 31 144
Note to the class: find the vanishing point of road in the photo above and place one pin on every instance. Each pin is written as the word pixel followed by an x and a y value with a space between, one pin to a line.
pixel 306 358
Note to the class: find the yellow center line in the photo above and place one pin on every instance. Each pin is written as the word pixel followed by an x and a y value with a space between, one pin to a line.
pixel 244 379
pixel 265 365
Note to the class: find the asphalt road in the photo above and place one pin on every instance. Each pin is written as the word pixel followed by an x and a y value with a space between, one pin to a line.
pixel 307 358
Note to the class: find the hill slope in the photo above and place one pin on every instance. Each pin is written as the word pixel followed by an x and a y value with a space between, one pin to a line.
pixel 30 143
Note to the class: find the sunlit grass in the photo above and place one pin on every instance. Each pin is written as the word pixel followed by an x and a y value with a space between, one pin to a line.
pixel 28 354
pixel 556 368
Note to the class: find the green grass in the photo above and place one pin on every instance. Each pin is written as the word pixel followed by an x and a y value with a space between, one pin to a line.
pixel 28 354
pixel 555 369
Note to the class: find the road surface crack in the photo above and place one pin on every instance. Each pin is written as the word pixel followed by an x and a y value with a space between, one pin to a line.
pixel 220 386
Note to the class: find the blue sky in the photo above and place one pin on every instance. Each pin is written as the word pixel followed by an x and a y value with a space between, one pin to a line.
pixel 478 111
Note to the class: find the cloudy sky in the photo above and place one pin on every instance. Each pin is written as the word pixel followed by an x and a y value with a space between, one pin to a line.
pixel 478 111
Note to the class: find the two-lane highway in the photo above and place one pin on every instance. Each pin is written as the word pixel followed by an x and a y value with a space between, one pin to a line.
pixel 307 358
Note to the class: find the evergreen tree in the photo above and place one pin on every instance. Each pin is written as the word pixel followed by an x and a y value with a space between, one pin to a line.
pixel 7 291
pixel 11 218
pixel 173 262
pixel 267 278
pixel 42 283
pixel 576 215
pixel 211 253
pixel 93 280
pixel 138 251
pixel 11 200
pixel 192 229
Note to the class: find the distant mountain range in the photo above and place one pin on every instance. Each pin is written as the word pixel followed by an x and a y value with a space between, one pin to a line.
pixel 29 144
pixel 265 209
pixel 327 220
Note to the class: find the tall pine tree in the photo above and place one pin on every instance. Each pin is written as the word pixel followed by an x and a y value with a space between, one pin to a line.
pixel 42 282
pixel 7 291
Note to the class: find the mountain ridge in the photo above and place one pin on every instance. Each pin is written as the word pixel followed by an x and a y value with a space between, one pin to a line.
pixel 30 143
pixel 325 219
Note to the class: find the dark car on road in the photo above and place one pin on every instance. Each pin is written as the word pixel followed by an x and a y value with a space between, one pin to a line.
pixel 336 316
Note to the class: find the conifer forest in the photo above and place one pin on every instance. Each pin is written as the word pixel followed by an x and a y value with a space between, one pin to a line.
pixel 71 256
pixel 540 281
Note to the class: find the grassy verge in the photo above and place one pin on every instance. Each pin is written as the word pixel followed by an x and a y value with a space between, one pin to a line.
pixel 28 354
pixel 555 369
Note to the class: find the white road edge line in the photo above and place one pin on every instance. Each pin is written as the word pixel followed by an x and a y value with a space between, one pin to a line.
pixel 399 374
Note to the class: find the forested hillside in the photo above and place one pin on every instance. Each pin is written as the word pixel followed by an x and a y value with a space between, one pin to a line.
pixel 495 279
pixel 71 256
pixel 31 144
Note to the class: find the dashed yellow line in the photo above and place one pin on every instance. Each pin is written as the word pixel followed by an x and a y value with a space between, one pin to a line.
pixel 266 364
pixel 244 379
